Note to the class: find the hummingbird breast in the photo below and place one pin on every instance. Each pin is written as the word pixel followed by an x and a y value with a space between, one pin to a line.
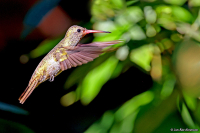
pixel 53 68
pixel 47 68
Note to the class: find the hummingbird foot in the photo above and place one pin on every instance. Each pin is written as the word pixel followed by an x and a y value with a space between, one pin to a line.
pixel 51 79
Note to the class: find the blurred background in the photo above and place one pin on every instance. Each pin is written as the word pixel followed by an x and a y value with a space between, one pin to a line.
pixel 151 84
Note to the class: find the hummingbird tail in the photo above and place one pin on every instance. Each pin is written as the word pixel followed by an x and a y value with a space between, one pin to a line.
pixel 32 85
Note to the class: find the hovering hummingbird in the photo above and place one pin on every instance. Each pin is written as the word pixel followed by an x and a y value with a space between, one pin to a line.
pixel 66 54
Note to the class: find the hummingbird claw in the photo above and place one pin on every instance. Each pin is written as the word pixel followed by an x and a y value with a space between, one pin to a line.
pixel 51 79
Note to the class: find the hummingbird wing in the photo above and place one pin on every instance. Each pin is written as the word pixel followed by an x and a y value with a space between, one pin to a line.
pixel 83 53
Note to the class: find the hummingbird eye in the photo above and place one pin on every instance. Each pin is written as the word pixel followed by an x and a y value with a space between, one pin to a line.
pixel 78 30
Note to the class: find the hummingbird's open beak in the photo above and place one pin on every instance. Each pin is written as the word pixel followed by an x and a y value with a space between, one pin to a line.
pixel 95 31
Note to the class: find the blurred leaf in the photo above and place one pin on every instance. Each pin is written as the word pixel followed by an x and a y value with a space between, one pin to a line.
pixel 196 24
pixel 181 14
pixel 118 70
pixel 126 125
pixel 165 19
pixel 167 23
pixel 155 115
pixel 195 113
pixel 105 26
pixel 187 117
pixel 95 128
pixel 122 53
pixel 137 33
pixel 163 10
pixel 190 101
pixel 44 47
pixel 185 28
pixel 134 14
pixel 122 120
pixel 157 28
pixel 115 35
pixel 80 72
pixel 7 126
pixel 194 3
pixel 176 37
pixel 101 9
pixel 129 16
pixel 121 20
pixel 168 85
pixel 176 2
pixel 150 14
pixel 117 3
pixel 130 2
pixel 171 123
pixel 68 99
pixel 156 65
pixel 96 78
pixel 133 105
pixel 142 56
pixel 167 43
pixel 151 31
pixel 107 119
pixel 12 108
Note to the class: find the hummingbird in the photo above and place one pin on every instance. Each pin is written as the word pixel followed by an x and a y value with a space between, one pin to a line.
pixel 66 54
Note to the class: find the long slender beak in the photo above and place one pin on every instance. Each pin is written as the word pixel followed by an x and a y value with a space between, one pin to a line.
pixel 95 31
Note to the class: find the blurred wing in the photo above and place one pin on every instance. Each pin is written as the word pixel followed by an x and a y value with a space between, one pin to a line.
pixel 83 53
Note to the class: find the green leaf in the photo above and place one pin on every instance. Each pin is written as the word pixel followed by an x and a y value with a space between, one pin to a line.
pixel 133 105
pixel 96 78
pixel 168 85
pixel 142 56
pixel 151 31
pixel 150 14
pixel 134 14
pixel 194 3
pixel 107 119
pixel 44 47
pixel 117 3
pixel 80 72
pixel 187 117
pixel 181 14
pixel 175 2
pixel 137 33
pixel 128 3
pixel 154 114
pixel 190 101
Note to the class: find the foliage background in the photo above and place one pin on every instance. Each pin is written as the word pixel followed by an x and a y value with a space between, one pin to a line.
pixel 150 84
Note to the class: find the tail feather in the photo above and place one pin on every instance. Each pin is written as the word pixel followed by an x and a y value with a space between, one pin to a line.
pixel 32 85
